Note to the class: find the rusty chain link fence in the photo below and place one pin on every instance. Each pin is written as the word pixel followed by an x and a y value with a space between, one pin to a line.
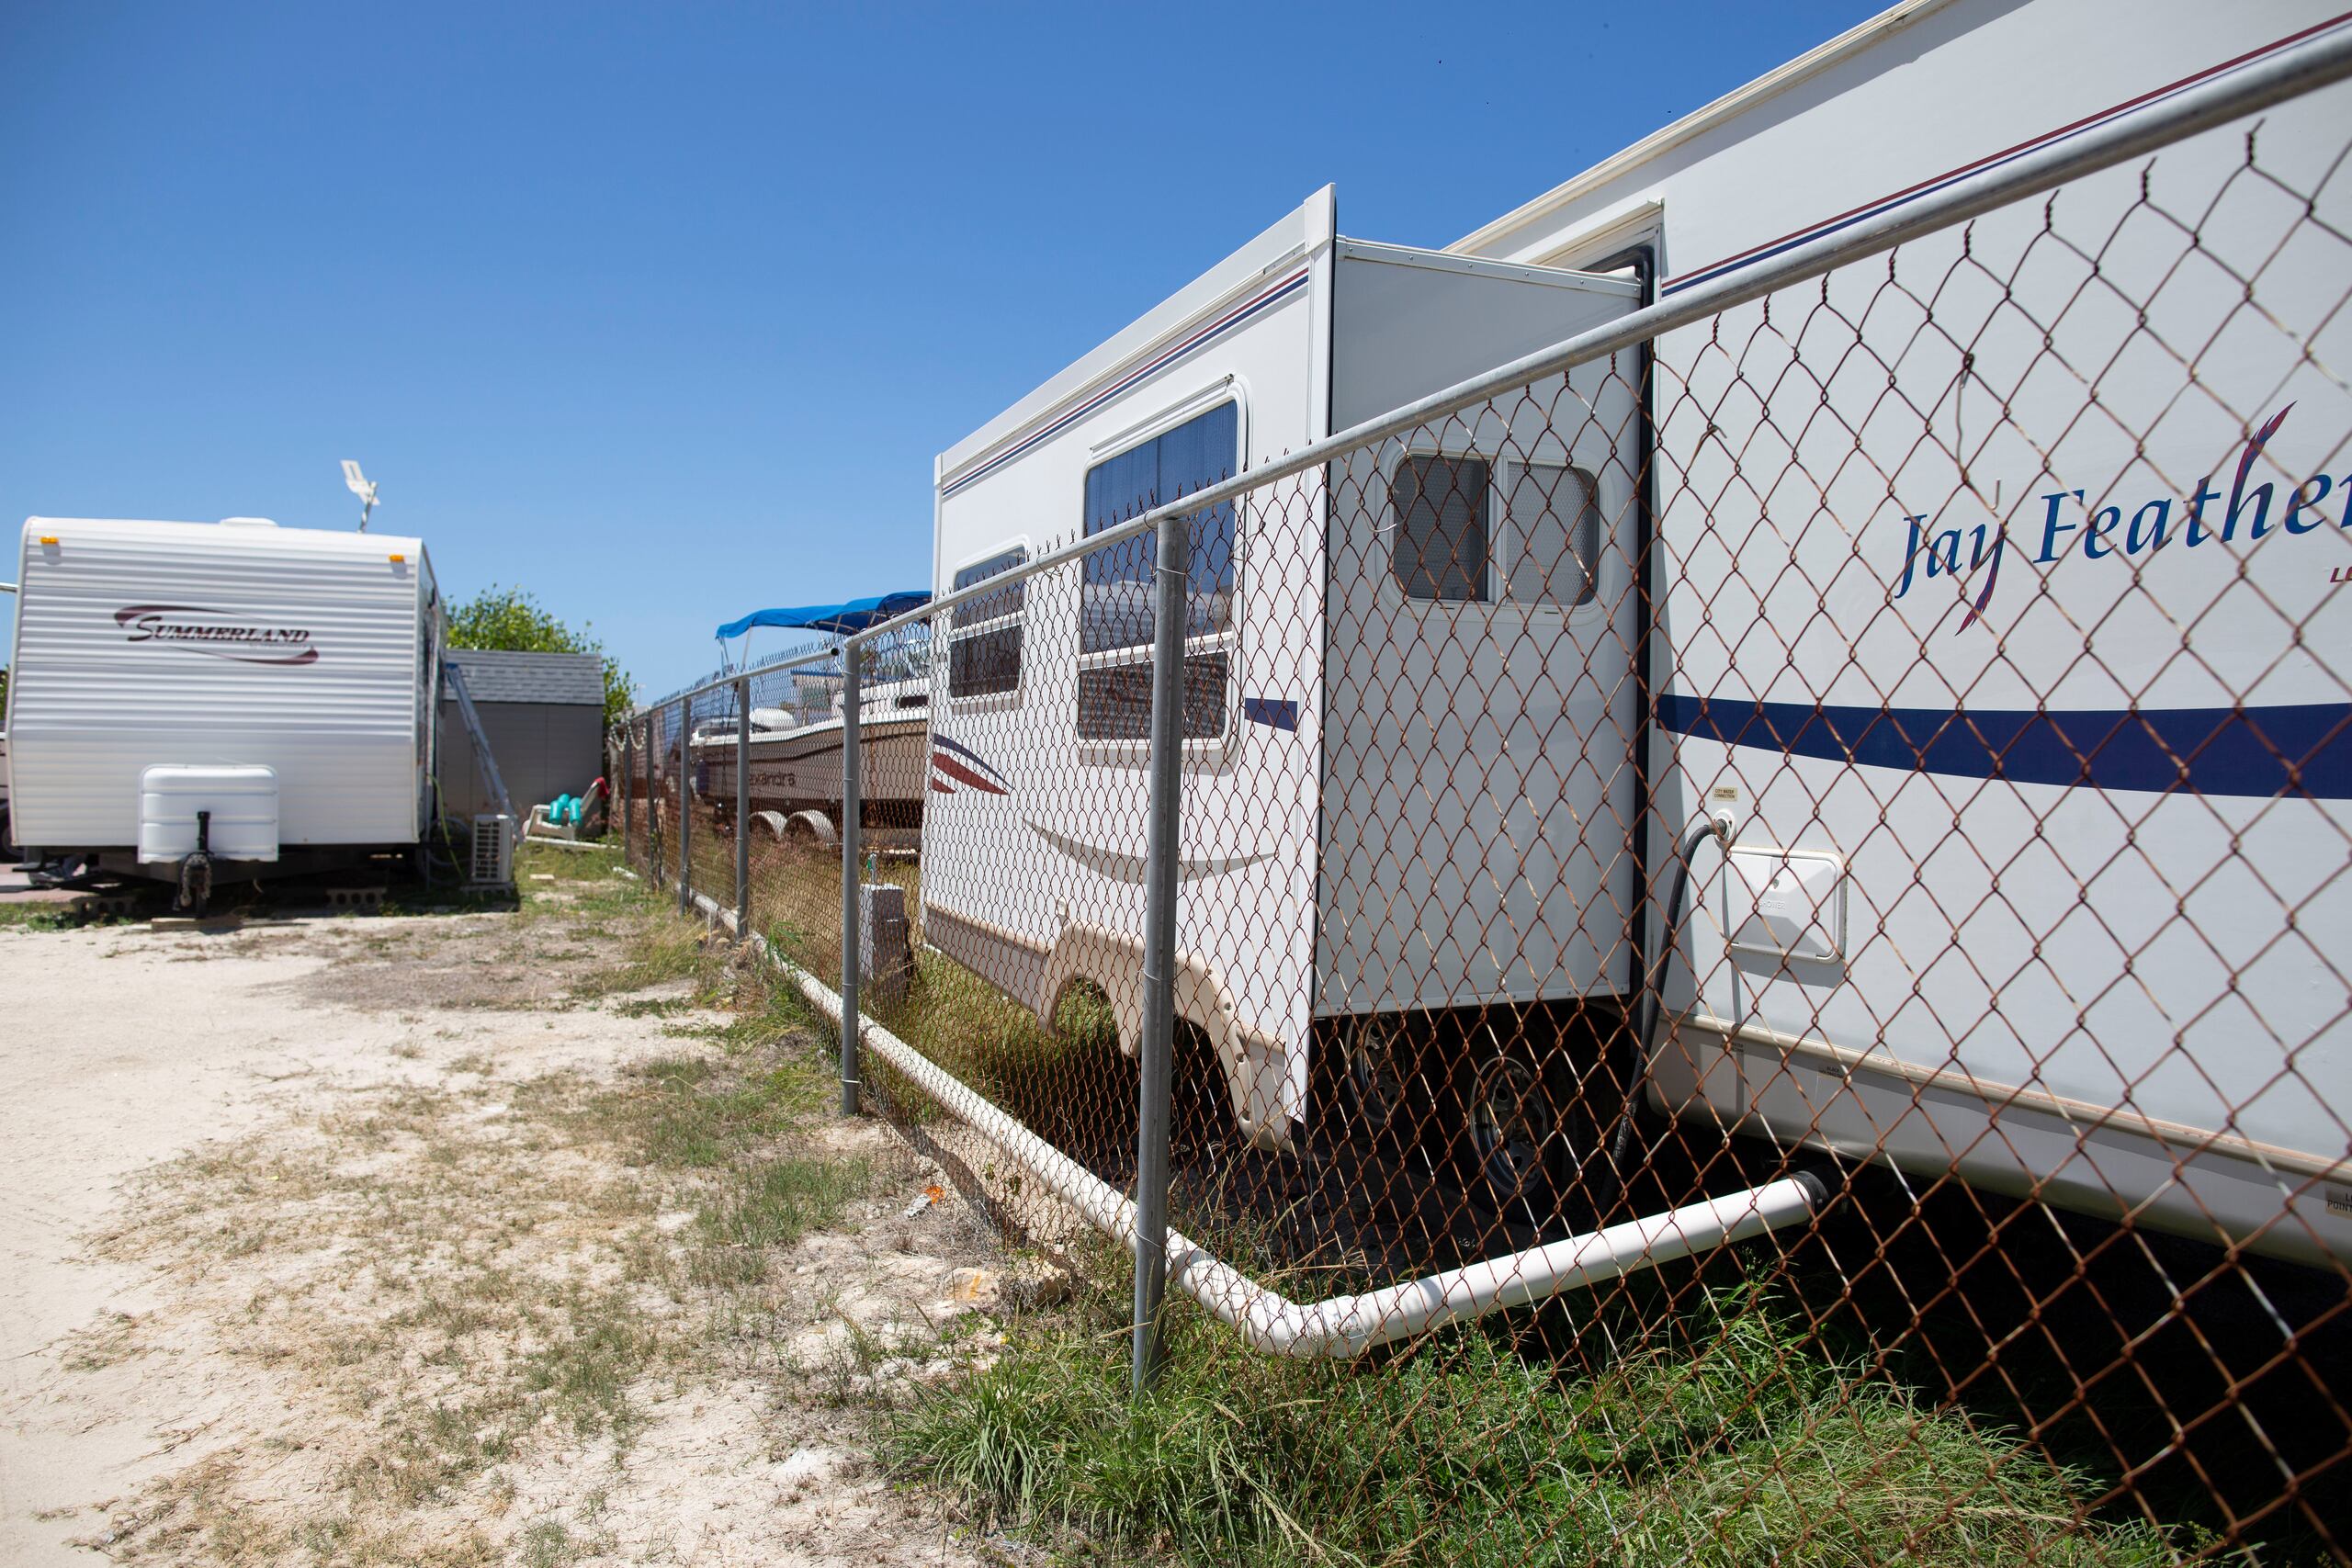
pixel 1735 949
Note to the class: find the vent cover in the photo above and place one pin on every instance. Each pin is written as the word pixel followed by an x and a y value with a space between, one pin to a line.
pixel 492 862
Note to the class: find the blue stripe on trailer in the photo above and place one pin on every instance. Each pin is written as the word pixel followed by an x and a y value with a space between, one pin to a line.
pixel 2293 749
pixel 966 751
pixel 1279 713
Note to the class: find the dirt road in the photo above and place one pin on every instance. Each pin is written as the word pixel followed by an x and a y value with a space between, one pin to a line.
pixel 461 1238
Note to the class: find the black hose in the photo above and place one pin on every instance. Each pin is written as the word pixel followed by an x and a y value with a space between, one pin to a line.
pixel 1646 1015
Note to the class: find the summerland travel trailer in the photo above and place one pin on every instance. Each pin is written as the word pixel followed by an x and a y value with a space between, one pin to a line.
pixel 795 746
pixel 200 701
pixel 2028 839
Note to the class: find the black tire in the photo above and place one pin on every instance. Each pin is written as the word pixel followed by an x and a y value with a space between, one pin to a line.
pixel 1383 1100
pixel 1527 1140
pixel 195 884
pixel 1200 1126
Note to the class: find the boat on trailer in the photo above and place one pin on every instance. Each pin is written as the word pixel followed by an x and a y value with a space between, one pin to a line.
pixel 795 748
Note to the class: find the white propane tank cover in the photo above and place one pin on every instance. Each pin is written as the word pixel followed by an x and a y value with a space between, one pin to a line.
pixel 1785 903
pixel 248 522
pixel 241 798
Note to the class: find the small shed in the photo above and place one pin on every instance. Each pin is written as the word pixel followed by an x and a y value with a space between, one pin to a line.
pixel 544 717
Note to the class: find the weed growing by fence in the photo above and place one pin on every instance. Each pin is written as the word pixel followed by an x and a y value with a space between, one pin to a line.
pixel 1746 1447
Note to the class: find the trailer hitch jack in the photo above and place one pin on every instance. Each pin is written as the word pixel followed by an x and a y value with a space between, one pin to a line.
pixel 196 871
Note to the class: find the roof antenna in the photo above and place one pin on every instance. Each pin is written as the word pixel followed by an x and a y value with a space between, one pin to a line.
pixel 361 486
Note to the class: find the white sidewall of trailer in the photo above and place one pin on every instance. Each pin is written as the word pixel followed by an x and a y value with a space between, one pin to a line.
pixel 2094 996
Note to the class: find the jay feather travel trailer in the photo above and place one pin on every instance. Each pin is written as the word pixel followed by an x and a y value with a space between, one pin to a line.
pixel 220 699
pixel 2006 746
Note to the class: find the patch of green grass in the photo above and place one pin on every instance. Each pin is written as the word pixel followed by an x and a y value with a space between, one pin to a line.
pixel 697 1112
pixel 740 1121
pixel 583 1373
pixel 660 952
pixel 596 864
pixel 773 1206
pixel 34 917
pixel 547 1544
pixel 654 1007
pixel 948 1013
pixel 583 1349
pixel 1743 1447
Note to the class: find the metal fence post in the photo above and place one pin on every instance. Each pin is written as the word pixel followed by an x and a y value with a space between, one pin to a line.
pixel 652 759
pixel 852 878
pixel 685 805
pixel 1158 1045
pixel 743 807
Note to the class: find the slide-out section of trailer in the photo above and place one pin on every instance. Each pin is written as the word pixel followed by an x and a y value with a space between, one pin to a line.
pixel 1317 657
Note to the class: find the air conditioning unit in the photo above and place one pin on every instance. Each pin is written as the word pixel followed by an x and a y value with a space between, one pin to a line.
pixel 492 861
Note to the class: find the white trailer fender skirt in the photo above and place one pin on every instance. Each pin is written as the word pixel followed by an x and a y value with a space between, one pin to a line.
pixel 1342 1325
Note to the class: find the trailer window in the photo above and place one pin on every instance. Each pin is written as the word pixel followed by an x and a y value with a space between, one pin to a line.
pixel 1116 607
pixel 1438 510
pixel 1114 703
pixel 984 637
pixel 1551 534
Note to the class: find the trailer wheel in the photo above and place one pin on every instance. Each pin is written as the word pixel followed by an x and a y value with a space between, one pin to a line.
pixel 811 827
pixel 1526 1136
pixel 1381 1097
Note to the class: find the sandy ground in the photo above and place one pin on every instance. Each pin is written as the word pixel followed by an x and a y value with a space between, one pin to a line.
pixel 196 1361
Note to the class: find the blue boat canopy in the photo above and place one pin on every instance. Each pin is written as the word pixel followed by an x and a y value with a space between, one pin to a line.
pixel 854 616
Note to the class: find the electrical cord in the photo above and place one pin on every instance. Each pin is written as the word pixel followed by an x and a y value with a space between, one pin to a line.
pixel 1716 825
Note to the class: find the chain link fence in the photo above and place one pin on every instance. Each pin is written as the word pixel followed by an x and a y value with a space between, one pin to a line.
pixel 1733 949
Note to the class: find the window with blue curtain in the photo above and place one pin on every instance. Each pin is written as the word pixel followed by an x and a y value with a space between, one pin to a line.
pixel 1116 608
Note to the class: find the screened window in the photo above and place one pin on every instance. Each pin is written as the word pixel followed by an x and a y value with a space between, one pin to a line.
pixel 1438 512
pixel 1115 614
pixel 1454 543
pixel 1551 532
pixel 984 643
pixel 1114 702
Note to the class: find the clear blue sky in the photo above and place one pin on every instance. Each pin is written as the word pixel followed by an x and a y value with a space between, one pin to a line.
pixel 663 311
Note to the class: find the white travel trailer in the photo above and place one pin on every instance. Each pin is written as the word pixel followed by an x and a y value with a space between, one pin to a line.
pixel 2033 874
pixel 194 700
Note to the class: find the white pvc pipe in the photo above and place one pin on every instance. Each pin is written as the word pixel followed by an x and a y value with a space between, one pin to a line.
pixel 1342 1325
